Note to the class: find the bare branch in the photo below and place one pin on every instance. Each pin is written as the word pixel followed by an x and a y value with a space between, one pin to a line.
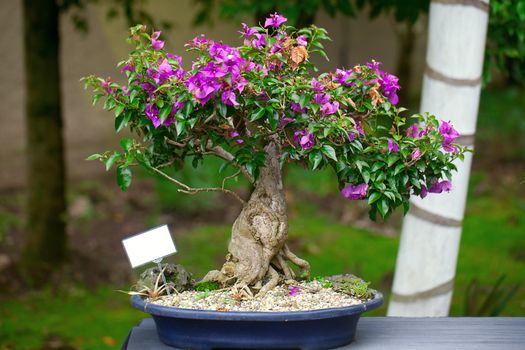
pixel 230 177
pixel 192 190
pixel 175 143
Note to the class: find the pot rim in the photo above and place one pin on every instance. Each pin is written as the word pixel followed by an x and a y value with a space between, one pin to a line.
pixel 175 312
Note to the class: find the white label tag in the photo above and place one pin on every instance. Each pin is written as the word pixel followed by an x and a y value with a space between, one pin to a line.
pixel 148 246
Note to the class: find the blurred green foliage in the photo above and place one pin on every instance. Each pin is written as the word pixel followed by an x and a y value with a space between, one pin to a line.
pixel 505 51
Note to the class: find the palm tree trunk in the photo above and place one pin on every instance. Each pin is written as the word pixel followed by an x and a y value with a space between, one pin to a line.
pixel 429 246
pixel 46 206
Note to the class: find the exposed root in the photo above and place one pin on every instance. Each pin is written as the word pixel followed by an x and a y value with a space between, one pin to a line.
pixel 274 280
pixel 302 264
pixel 281 263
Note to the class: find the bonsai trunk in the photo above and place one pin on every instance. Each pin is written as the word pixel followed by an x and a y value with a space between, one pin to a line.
pixel 257 254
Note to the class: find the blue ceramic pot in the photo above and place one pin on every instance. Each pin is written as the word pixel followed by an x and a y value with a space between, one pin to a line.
pixel 307 330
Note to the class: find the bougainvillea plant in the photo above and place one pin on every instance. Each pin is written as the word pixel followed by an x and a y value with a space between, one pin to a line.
pixel 261 105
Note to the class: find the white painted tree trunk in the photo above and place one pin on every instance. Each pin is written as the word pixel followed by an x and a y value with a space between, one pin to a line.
pixel 429 246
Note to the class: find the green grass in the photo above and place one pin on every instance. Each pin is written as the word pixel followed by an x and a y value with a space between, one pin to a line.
pixel 90 320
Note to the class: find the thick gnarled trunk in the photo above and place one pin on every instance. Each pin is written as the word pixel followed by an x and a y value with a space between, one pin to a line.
pixel 257 253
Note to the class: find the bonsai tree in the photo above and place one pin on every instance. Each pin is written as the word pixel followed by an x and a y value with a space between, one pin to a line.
pixel 261 105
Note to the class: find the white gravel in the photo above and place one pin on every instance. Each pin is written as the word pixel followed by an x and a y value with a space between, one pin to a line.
pixel 308 296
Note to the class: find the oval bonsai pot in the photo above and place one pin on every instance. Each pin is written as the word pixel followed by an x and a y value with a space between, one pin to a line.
pixel 307 330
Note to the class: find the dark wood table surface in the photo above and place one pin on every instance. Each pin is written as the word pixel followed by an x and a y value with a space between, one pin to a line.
pixel 393 333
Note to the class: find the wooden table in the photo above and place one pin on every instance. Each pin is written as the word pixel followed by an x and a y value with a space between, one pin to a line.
pixel 393 333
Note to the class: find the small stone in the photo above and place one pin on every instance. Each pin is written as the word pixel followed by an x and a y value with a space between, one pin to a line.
pixel 311 296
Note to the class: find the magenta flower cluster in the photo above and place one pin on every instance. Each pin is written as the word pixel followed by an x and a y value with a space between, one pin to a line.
pixel 449 135
pixel 304 139
pixel 294 291
pixel 354 192
pixel 437 187
pixel 222 75
pixel 389 83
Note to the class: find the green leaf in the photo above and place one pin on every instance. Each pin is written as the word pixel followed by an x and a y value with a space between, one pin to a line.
pixel 329 151
pixel 374 197
pixel 223 109
pixel 111 160
pixel 406 206
pixel 118 109
pixel 390 195
pixel 94 156
pixel 96 98
pixel 380 177
pixel 315 158
pixel 360 164
pixel 377 166
pixel 398 168
pixel 126 143
pixel 392 159
pixel 123 178
pixel 122 120
pixel 180 127
pixel 366 176
pixel 383 207
pixel 164 112
pixel 132 95
pixel 273 120
pixel 257 115
pixel 303 101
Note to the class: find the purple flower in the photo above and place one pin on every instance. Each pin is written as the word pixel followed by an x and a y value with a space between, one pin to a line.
pixel 202 88
pixel 155 43
pixel 321 98
pixel 424 191
pixel 416 154
pixel 351 136
pixel 449 135
pixel 106 85
pixel 283 121
pixel 198 41
pixel 294 291
pixel 301 40
pixel 228 98
pixel 213 71
pixel 150 88
pixel 440 186
pixel 389 86
pixel 128 67
pixel 276 48
pixel 414 132
pixel 152 113
pixel 449 148
pixel 359 128
pixel 259 41
pixel 341 76
pixel 392 146
pixel 354 192
pixel 305 139
pixel 374 65
pixel 329 108
pixel 296 107
pixel 247 31
pixel 233 134
pixel 274 20
pixel 175 57
pixel 316 85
